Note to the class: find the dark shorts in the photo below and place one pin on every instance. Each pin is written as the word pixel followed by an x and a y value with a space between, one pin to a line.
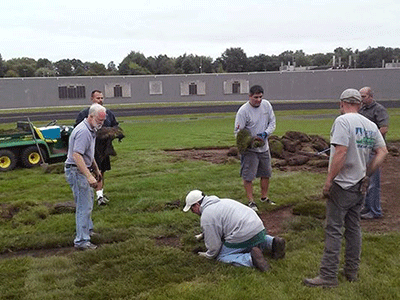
pixel 255 165
pixel 104 164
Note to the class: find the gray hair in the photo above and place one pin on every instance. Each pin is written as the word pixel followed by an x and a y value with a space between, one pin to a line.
pixel 95 109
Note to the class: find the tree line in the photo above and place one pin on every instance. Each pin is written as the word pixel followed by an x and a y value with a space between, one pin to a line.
pixel 231 60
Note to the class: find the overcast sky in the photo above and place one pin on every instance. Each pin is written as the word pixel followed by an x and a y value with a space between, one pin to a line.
pixel 105 31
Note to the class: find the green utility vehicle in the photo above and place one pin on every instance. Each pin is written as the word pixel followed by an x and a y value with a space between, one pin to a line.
pixel 31 146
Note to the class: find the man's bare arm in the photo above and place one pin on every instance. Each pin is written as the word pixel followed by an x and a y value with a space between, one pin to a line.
pixel 338 159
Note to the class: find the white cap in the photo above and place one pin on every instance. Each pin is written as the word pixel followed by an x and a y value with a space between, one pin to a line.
pixel 192 198
pixel 351 96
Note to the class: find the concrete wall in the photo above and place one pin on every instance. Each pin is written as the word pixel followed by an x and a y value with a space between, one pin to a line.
pixel 304 85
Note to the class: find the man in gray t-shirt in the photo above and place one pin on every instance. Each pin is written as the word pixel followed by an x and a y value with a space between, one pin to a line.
pixel 79 166
pixel 376 113
pixel 258 118
pixel 353 138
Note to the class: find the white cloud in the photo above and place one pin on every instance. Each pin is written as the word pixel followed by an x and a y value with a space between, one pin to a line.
pixel 107 31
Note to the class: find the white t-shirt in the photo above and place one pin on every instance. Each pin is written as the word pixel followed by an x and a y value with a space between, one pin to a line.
pixel 360 136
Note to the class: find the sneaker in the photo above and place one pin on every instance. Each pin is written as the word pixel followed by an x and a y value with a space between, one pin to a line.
pixel 318 281
pixel 253 206
pixel 86 246
pixel 258 259
pixel 278 248
pixel 369 216
pixel 102 200
pixel 267 200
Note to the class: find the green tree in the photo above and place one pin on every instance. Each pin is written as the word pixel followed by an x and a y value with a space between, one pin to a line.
pixel 11 73
pixel 234 60
pixel 186 64
pixel 95 69
pixel 204 63
pixel 217 66
pixel 45 72
pixel 161 64
pixel 286 57
pixel 112 68
pixel 64 67
pixel 24 66
pixel 130 64
pixel 320 59
pixel 262 63
pixel 78 67
pixel 135 69
pixel 2 67
pixel 44 63
pixel 301 58
pixel 373 57
pixel 342 57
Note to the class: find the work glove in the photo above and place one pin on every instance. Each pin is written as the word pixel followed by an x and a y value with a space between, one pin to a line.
pixel 203 254
pixel 199 236
pixel 263 135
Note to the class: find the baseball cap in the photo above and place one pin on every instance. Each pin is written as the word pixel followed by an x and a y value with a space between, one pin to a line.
pixel 192 198
pixel 351 96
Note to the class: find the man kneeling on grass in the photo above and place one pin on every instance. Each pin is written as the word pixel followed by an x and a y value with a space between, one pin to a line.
pixel 233 232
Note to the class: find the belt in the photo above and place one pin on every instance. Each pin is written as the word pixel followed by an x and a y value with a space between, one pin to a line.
pixel 67 166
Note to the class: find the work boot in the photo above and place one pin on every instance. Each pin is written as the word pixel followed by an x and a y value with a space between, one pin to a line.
pixel 258 259
pixel 318 281
pixel 350 276
pixel 364 210
pixel 278 248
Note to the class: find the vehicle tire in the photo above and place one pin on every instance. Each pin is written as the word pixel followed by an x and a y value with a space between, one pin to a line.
pixel 8 160
pixel 30 156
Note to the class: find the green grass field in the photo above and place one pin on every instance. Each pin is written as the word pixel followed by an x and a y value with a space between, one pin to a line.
pixel 132 264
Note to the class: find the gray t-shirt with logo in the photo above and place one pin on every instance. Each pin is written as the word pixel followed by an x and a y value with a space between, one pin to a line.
pixel 360 136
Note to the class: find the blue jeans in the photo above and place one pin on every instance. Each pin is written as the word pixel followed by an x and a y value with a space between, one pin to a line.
pixel 83 196
pixel 242 256
pixel 373 197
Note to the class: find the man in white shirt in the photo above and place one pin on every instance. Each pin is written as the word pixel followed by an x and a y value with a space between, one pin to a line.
pixel 256 116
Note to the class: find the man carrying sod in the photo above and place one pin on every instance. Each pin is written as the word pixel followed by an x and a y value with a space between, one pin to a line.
pixel 233 232
pixel 102 159
pixel 353 138
pixel 256 117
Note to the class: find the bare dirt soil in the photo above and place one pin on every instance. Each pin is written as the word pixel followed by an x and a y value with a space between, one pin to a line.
pixel 274 220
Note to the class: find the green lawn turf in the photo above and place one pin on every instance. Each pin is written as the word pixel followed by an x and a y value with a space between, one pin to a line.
pixel 130 264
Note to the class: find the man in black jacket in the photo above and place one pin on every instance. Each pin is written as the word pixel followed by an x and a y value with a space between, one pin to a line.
pixel 102 160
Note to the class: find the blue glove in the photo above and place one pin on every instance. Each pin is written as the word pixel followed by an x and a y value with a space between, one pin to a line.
pixel 262 135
